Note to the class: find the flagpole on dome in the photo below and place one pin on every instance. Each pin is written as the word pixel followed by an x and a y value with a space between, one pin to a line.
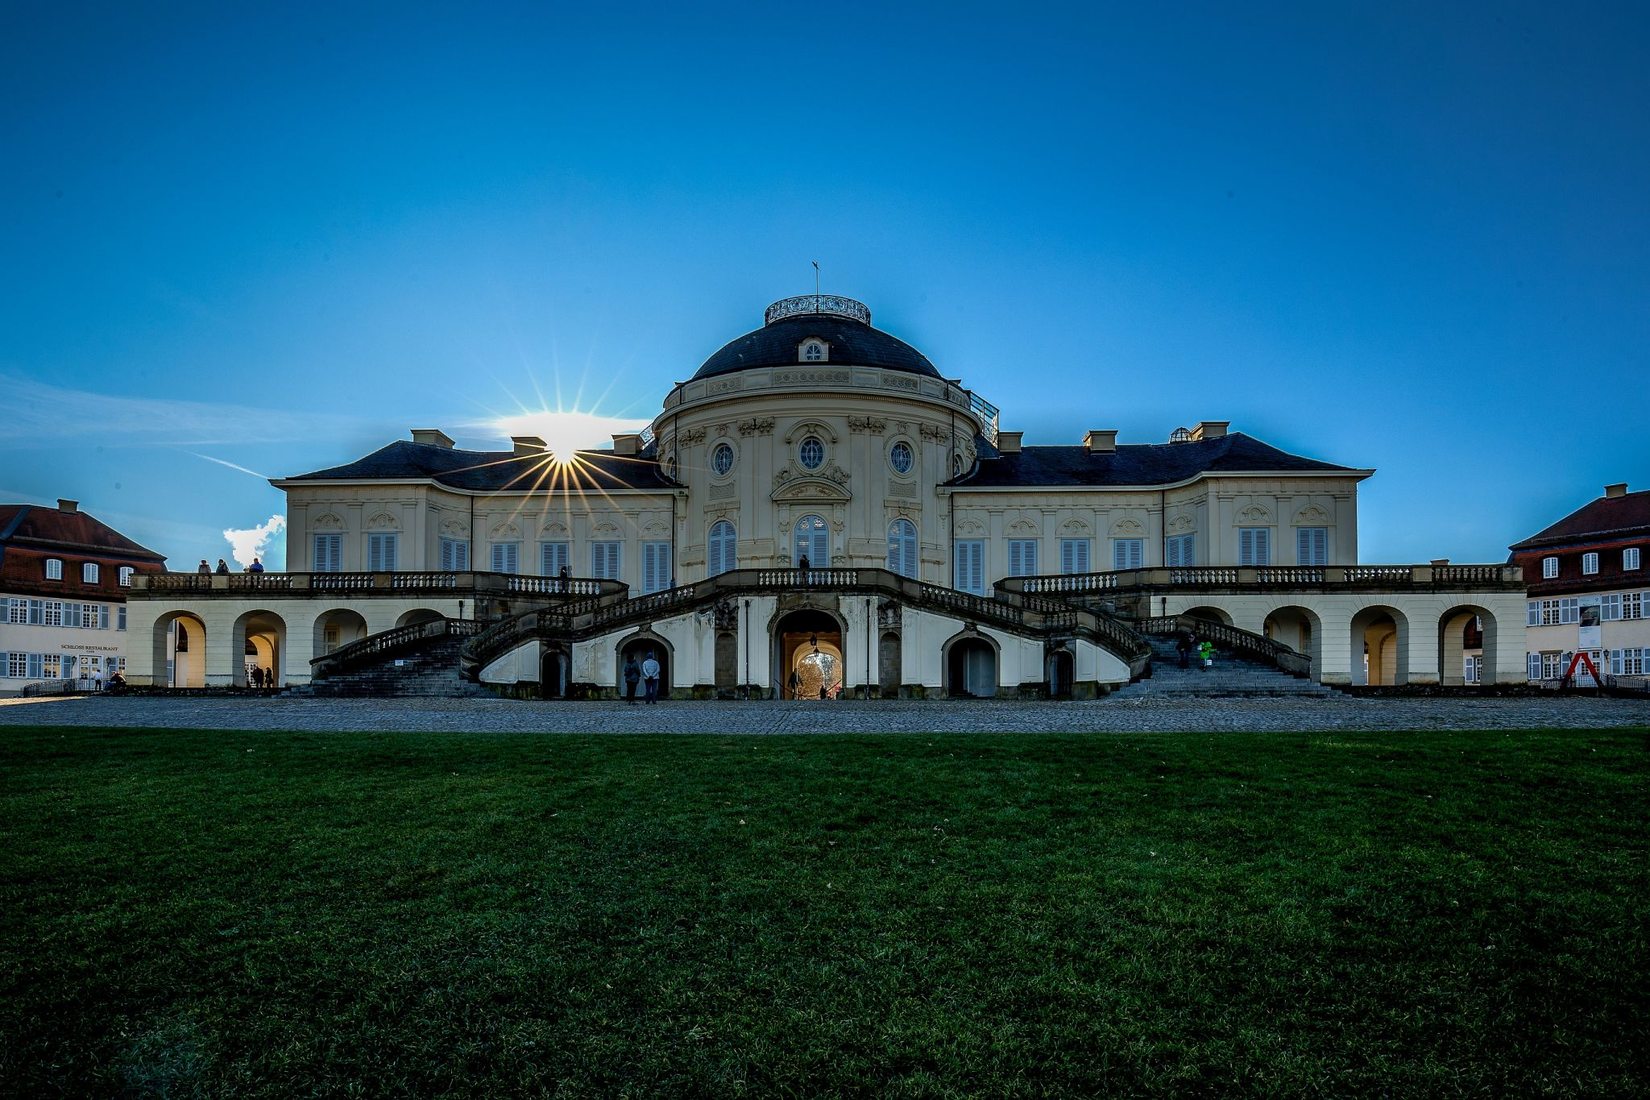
pixel 816 286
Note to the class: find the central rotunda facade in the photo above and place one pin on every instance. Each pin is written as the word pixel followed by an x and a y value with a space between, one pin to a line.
pixel 819 510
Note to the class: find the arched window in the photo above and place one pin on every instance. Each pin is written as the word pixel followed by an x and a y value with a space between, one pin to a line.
pixel 814 351
pixel 812 541
pixel 811 453
pixel 722 556
pixel 902 547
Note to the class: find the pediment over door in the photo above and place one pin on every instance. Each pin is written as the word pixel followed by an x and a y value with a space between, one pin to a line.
pixel 805 490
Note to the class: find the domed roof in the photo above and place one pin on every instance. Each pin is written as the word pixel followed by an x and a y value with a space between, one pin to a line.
pixel 842 323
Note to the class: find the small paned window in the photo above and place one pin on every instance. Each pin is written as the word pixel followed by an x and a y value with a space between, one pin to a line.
pixel 901 458
pixel 126 576
pixel 89 572
pixel 1589 564
pixel 721 460
pixel 1630 558
pixel 1549 568
pixel 811 453
pixel 54 569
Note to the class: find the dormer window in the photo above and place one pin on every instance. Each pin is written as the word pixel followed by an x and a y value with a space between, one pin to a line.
pixel 814 350
pixel 54 569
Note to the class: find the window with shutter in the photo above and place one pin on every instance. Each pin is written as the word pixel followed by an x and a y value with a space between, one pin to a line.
pixel 969 556
pixel 813 540
pixel 1312 546
pixel 506 557
pixel 329 553
pixel 1254 546
pixel 381 548
pixel 1127 553
pixel 902 547
pixel 1022 557
pixel 455 555
pixel 606 560
pixel 723 548
pixel 1181 550
pixel 655 566
pixel 554 557
pixel 1074 555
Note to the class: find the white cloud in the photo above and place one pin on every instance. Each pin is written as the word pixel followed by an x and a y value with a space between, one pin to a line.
pixel 564 432
pixel 253 542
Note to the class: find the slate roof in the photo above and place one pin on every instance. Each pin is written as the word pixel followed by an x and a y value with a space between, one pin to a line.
pixel 1604 518
pixel 495 471
pixel 1139 464
pixel 852 342
pixel 44 528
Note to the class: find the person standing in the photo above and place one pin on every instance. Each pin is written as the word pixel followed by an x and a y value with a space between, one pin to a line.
pixel 1183 646
pixel 223 566
pixel 1207 652
pixel 257 566
pixel 650 677
pixel 632 677
pixel 795 684
pixel 204 568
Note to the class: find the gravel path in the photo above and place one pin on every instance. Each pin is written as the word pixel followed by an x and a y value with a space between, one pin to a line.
pixel 1104 716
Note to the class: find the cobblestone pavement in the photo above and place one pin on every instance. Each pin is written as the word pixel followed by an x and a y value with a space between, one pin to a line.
pixel 1103 716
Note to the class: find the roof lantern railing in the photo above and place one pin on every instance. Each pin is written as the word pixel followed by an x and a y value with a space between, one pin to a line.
pixel 817 303
pixel 988 414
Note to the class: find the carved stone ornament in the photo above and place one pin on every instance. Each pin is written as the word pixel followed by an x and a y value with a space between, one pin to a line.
pixel 798 489
pixel 874 424
pixel 505 532
pixel 1180 525
pixel 888 615
pixel 837 474
pixel 970 527
pixel 326 521
pixel 1022 527
pixel 1311 516
pixel 1127 528
pixel 1254 514
pixel 930 431
pixel 556 530
pixel 726 614
pixel 760 425
pixel 723 429
pixel 383 521
pixel 454 528
pixel 1075 528
pixel 692 435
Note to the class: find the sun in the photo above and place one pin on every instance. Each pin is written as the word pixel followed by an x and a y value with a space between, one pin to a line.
pixel 566 431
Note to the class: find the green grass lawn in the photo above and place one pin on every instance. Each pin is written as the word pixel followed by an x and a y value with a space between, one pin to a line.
pixel 255 914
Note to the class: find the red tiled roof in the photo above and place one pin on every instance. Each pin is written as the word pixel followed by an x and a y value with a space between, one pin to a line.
pixel 45 528
pixel 1604 518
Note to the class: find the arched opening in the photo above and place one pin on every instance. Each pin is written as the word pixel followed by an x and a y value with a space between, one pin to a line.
pixel 1206 612
pixel 889 672
pixel 180 651
pixel 970 667
pixel 553 665
pixel 808 655
pixel 338 628
pixel 260 637
pixel 1301 630
pixel 1059 673
pixel 1380 647
pixel 419 615
pixel 1466 646
pixel 641 645
pixel 811 539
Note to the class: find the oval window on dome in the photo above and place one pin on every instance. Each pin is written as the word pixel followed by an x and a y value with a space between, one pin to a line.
pixel 811 453
pixel 721 460
pixel 814 351
pixel 901 458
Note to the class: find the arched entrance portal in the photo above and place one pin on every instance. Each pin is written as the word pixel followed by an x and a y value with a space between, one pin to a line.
pixel 1380 647
pixel 1059 673
pixel 553 673
pixel 180 649
pixel 261 638
pixel 971 669
pixel 639 646
pixel 808 655
pixel 1466 646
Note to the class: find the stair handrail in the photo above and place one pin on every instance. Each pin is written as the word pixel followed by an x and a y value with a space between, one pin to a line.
pixel 373 646
pixel 1234 638
pixel 1016 612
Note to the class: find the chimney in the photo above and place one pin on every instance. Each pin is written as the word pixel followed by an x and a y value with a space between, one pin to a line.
pixel 433 437
pixel 1211 429
pixel 1100 442
pixel 627 443
pixel 528 444
pixel 1619 489
pixel 67 505
pixel 1009 442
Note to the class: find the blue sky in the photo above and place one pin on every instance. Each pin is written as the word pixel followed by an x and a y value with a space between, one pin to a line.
pixel 1410 237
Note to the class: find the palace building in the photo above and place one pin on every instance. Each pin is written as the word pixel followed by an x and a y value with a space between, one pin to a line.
pixel 819 499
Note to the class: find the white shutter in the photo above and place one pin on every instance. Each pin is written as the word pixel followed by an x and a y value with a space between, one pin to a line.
pixel 970 566
pixel 381 553
pixel 1074 555
pixel 723 548
pixel 1127 553
pixel 605 560
pixel 506 557
pixel 1022 558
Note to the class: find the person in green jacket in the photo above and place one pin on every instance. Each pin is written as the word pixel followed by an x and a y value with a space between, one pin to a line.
pixel 1206 650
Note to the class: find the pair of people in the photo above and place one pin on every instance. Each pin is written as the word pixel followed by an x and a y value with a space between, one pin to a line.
pixel 647 673
pixel 261 677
